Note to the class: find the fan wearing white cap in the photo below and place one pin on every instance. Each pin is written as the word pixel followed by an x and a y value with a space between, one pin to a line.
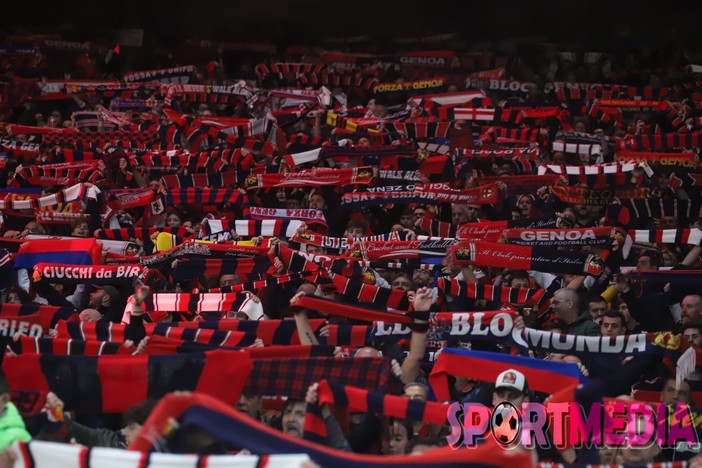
pixel 511 386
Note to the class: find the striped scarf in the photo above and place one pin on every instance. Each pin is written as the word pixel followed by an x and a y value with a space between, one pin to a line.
pixel 216 160
pixel 595 169
pixel 271 332
pixel 59 174
pixel 650 141
pixel 221 228
pixel 361 313
pixel 458 288
pixel 218 373
pixel 248 269
pixel 78 192
pixel 667 236
pixel 208 196
pixel 420 130
pixel 194 303
pixel 48 315
pixel 655 207
pixel 363 401
pixel 35 454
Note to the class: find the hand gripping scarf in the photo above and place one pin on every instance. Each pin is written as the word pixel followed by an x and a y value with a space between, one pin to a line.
pixel 363 401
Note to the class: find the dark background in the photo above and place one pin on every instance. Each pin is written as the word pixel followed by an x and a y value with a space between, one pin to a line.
pixel 593 22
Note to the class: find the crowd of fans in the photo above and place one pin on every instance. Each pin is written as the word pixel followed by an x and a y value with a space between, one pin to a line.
pixel 180 156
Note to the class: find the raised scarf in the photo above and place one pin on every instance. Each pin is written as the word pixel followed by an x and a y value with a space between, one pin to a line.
pixel 271 332
pixel 217 373
pixel 242 431
pixel 543 376
pixel 91 274
pixel 454 287
pixel 525 258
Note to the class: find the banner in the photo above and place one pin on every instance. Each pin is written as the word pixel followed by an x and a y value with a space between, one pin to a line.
pixel 162 75
pixel 312 178
pixel 430 85
pixel 422 250
pixel 95 274
pixel 559 237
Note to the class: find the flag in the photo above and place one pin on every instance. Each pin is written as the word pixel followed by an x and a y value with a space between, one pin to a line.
pixel 73 251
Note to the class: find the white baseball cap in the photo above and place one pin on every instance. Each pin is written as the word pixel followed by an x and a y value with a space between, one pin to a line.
pixel 511 378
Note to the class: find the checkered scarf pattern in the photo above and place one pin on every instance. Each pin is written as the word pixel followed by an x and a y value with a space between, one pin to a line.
pixel 139 139
pixel 221 179
pixel 292 377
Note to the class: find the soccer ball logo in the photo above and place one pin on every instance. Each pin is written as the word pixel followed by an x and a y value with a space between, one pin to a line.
pixel 505 423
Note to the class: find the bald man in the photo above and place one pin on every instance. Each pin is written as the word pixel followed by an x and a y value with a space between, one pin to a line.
pixel 566 307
